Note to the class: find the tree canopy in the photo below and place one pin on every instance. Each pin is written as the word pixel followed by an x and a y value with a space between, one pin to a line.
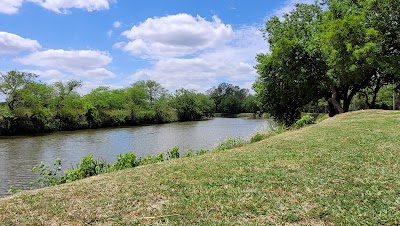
pixel 331 50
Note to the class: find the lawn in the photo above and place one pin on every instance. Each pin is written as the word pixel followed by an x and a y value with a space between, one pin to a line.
pixel 342 171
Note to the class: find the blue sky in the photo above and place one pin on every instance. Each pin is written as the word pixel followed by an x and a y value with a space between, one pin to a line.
pixel 179 43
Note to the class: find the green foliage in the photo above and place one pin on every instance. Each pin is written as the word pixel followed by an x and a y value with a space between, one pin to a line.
pixel 250 104
pixel 173 153
pixel 12 84
pixel 127 160
pixel 228 98
pixel 202 152
pixel 190 105
pixel 257 137
pixel 280 129
pixel 189 153
pixel 87 168
pixel 333 51
pixel 230 143
pixel 304 120
pixel 49 175
pixel 151 160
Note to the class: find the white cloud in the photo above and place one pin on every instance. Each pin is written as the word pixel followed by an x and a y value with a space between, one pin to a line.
pixel 10 6
pixel 50 76
pixel 12 43
pixel 232 62
pixel 289 5
pixel 174 36
pixel 76 60
pixel 98 73
pixel 109 33
pixel 62 65
pixel 62 6
pixel 117 24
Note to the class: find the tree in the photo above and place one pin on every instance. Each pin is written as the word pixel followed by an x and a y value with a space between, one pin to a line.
pixel 294 73
pixel 250 104
pixel 190 105
pixel 62 91
pixel 37 96
pixel 228 98
pixel 12 83
pixel 333 54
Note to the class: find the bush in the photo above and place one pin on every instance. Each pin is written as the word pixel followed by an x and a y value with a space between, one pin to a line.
pixel 230 143
pixel 48 175
pixel 155 159
pixel 173 153
pixel 202 152
pixel 189 153
pixel 87 168
pixel 304 120
pixel 257 137
pixel 124 161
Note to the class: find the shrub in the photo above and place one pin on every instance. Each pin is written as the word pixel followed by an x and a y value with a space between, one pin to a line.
pixel 87 168
pixel 48 175
pixel 257 137
pixel 230 143
pixel 304 120
pixel 155 159
pixel 202 152
pixel 127 160
pixel 173 153
pixel 189 153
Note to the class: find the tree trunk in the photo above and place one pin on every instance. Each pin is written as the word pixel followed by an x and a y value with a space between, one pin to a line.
pixel 334 101
pixel 347 101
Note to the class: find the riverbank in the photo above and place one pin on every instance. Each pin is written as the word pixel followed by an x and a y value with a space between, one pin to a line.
pixel 342 171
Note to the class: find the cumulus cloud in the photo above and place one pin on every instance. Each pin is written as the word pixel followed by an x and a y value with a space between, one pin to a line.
pixel 12 43
pixel 174 36
pixel 98 73
pixel 75 60
pixel 62 6
pixel 232 62
pixel 10 6
pixel 62 65
pixel 50 76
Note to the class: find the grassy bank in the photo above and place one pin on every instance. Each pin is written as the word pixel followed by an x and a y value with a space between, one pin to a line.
pixel 344 170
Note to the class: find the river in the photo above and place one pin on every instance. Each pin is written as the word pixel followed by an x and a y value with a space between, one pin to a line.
pixel 19 154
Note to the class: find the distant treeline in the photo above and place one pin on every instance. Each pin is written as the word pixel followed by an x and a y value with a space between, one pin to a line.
pixel 32 106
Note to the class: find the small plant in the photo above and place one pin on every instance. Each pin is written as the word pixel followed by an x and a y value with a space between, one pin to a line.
pixel 150 160
pixel 257 137
pixel 124 161
pixel 279 129
pixel 230 143
pixel 90 167
pixel 13 190
pixel 48 175
pixel 304 120
pixel 202 152
pixel 173 153
pixel 189 153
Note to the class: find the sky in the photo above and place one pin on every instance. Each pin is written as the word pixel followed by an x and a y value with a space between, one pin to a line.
pixel 188 44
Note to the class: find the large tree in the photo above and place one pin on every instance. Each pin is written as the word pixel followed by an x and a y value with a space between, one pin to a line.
pixel 12 85
pixel 331 52
pixel 228 98
pixel 190 105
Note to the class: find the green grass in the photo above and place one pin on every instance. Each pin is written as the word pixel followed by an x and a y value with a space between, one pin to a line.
pixel 343 171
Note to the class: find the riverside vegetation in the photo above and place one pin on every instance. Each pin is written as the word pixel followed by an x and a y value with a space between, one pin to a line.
pixel 317 175
pixel 32 106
